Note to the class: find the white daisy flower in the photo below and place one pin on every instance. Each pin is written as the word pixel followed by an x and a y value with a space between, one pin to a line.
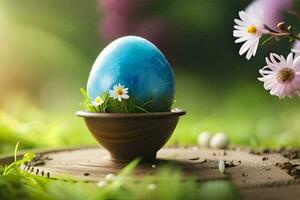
pixel 249 28
pixel 281 76
pixel 119 92
pixel 97 101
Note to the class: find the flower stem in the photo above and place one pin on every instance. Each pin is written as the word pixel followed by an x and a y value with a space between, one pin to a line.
pixel 284 33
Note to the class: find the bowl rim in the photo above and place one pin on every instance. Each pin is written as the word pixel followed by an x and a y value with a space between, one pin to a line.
pixel 176 112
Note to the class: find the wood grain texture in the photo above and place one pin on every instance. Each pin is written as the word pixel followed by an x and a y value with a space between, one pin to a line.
pixel 257 176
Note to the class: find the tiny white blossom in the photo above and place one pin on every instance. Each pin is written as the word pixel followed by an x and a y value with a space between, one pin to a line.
pixel 281 76
pixel 249 29
pixel 119 92
pixel 222 166
pixel 97 101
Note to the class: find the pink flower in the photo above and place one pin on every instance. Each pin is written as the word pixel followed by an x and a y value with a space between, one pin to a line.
pixel 114 26
pixel 296 45
pixel 159 31
pixel 296 48
pixel 121 7
pixel 281 76
pixel 273 10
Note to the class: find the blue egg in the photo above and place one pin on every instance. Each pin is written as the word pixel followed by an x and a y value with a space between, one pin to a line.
pixel 140 66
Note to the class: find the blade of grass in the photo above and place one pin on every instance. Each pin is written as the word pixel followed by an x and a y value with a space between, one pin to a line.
pixel 142 109
pixel 16 151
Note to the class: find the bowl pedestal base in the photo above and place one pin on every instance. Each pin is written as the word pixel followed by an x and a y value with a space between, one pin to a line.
pixel 145 158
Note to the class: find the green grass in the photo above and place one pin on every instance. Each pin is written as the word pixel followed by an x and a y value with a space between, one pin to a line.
pixel 168 186
pixel 243 110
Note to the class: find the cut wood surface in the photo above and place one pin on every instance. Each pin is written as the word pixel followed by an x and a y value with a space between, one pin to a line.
pixel 258 175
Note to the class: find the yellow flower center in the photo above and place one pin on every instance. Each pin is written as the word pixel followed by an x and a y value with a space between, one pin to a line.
pixel 99 100
pixel 251 29
pixel 119 91
pixel 285 74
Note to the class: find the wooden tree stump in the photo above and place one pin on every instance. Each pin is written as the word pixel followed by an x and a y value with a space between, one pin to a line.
pixel 264 176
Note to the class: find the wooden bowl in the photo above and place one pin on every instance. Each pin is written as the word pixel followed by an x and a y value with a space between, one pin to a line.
pixel 130 135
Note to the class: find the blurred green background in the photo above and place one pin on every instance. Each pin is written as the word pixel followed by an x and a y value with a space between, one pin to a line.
pixel 47 49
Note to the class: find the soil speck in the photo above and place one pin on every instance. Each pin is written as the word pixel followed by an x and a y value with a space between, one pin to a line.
pixel 195 158
pixel 265 158
pixel 229 164
pixel 291 169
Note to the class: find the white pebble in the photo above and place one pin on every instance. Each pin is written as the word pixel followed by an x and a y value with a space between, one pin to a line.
pixel 102 184
pixel 153 166
pixel 195 148
pixel 219 141
pixel 204 139
pixel 151 186
pixel 110 177
pixel 222 166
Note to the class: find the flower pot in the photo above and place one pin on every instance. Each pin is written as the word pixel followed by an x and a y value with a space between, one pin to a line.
pixel 132 135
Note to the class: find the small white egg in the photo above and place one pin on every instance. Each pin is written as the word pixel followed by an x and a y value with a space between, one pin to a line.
pixel 102 184
pixel 219 141
pixel 204 139
pixel 222 166
pixel 151 186
pixel 110 177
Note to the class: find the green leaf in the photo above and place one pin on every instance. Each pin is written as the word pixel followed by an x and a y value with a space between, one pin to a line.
pixel 130 167
pixel 84 94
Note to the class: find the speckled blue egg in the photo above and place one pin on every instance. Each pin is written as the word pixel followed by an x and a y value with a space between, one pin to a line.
pixel 140 66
